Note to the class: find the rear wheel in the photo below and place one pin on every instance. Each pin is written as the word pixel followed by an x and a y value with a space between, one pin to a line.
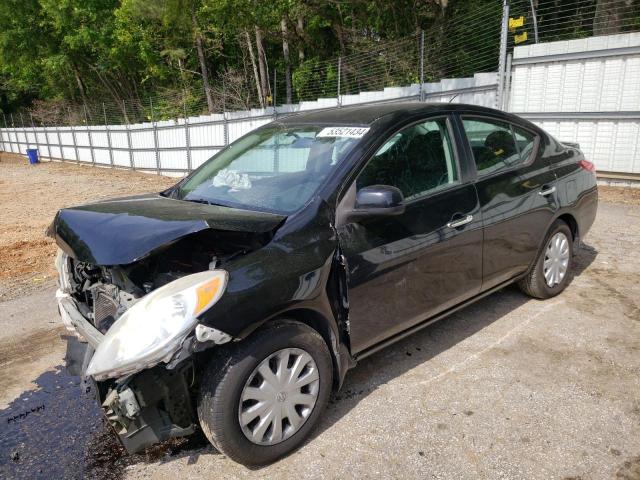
pixel 551 273
pixel 263 400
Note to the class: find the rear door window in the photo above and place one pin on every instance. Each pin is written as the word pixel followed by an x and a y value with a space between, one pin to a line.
pixel 497 145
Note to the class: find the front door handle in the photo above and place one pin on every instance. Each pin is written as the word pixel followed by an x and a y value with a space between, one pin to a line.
pixel 460 222
pixel 547 191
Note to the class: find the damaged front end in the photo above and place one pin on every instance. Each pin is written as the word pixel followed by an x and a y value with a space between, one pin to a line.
pixel 139 345
pixel 139 315
pixel 152 406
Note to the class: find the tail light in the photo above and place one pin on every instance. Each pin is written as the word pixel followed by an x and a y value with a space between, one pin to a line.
pixel 587 165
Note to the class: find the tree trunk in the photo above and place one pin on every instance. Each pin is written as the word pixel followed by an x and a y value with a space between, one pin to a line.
pixel 300 28
pixel 285 52
pixel 609 16
pixel 201 59
pixel 337 27
pixel 81 87
pixel 255 68
pixel 262 65
pixel 111 89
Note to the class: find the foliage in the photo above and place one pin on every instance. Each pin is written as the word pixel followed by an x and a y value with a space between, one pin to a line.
pixel 130 54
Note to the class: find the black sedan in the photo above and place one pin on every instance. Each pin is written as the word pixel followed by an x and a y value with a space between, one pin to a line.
pixel 237 300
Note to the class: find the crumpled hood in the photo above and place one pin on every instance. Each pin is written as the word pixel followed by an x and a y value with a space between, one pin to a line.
pixel 122 231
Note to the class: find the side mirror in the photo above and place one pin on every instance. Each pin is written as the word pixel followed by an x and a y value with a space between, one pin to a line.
pixel 377 201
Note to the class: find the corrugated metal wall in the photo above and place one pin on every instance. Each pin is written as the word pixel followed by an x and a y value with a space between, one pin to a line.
pixel 585 91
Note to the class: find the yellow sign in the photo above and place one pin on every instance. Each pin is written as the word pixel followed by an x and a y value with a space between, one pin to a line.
pixel 520 38
pixel 516 22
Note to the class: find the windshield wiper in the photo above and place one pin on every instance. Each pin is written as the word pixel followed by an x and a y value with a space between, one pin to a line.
pixel 203 201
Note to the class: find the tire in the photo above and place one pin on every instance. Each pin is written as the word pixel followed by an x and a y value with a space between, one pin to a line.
pixel 225 379
pixel 535 284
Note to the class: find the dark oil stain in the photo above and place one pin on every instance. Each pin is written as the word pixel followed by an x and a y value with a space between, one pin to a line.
pixel 51 441
pixel 57 431
pixel 441 426
pixel 25 414
pixel 468 413
pixel 615 452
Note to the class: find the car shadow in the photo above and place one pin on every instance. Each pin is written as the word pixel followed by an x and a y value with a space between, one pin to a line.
pixel 585 257
pixel 56 430
pixel 417 349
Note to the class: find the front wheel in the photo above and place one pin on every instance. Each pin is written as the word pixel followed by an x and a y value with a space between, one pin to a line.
pixel 262 401
pixel 551 273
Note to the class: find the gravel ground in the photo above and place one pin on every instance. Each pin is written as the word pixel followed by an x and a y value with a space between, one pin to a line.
pixel 507 388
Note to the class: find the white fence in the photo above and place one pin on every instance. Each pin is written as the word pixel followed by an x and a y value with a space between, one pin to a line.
pixel 585 91
pixel 177 146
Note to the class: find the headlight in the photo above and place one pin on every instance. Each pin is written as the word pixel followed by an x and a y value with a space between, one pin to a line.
pixel 153 329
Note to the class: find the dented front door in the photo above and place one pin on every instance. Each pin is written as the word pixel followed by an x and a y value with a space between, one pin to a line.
pixel 404 269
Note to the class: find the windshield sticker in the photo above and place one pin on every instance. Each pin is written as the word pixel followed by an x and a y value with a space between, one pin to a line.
pixel 350 132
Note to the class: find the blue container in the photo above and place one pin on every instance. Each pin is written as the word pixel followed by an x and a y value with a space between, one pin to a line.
pixel 32 153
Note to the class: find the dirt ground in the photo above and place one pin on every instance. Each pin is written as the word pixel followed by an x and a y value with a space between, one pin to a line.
pixel 30 196
pixel 625 196
pixel 508 388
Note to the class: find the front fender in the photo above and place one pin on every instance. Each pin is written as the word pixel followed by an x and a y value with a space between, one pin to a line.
pixel 289 272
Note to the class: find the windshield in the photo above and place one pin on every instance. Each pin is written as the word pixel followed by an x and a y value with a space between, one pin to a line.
pixel 276 168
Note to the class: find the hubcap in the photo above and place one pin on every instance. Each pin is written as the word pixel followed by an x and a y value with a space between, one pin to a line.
pixel 556 259
pixel 279 396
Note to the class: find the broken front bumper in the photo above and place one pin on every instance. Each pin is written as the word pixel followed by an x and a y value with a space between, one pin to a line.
pixel 150 407
pixel 75 322
pixel 143 409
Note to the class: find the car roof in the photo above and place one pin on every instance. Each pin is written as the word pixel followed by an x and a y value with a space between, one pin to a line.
pixel 368 114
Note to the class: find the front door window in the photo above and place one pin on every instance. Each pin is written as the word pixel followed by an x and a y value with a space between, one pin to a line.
pixel 417 160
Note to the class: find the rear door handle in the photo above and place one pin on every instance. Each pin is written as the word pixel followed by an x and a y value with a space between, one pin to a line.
pixel 460 222
pixel 547 191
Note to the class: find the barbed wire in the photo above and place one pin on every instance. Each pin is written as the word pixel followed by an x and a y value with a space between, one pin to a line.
pixel 572 19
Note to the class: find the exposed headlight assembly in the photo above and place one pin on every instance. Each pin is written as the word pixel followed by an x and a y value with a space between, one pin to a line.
pixel 153 329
